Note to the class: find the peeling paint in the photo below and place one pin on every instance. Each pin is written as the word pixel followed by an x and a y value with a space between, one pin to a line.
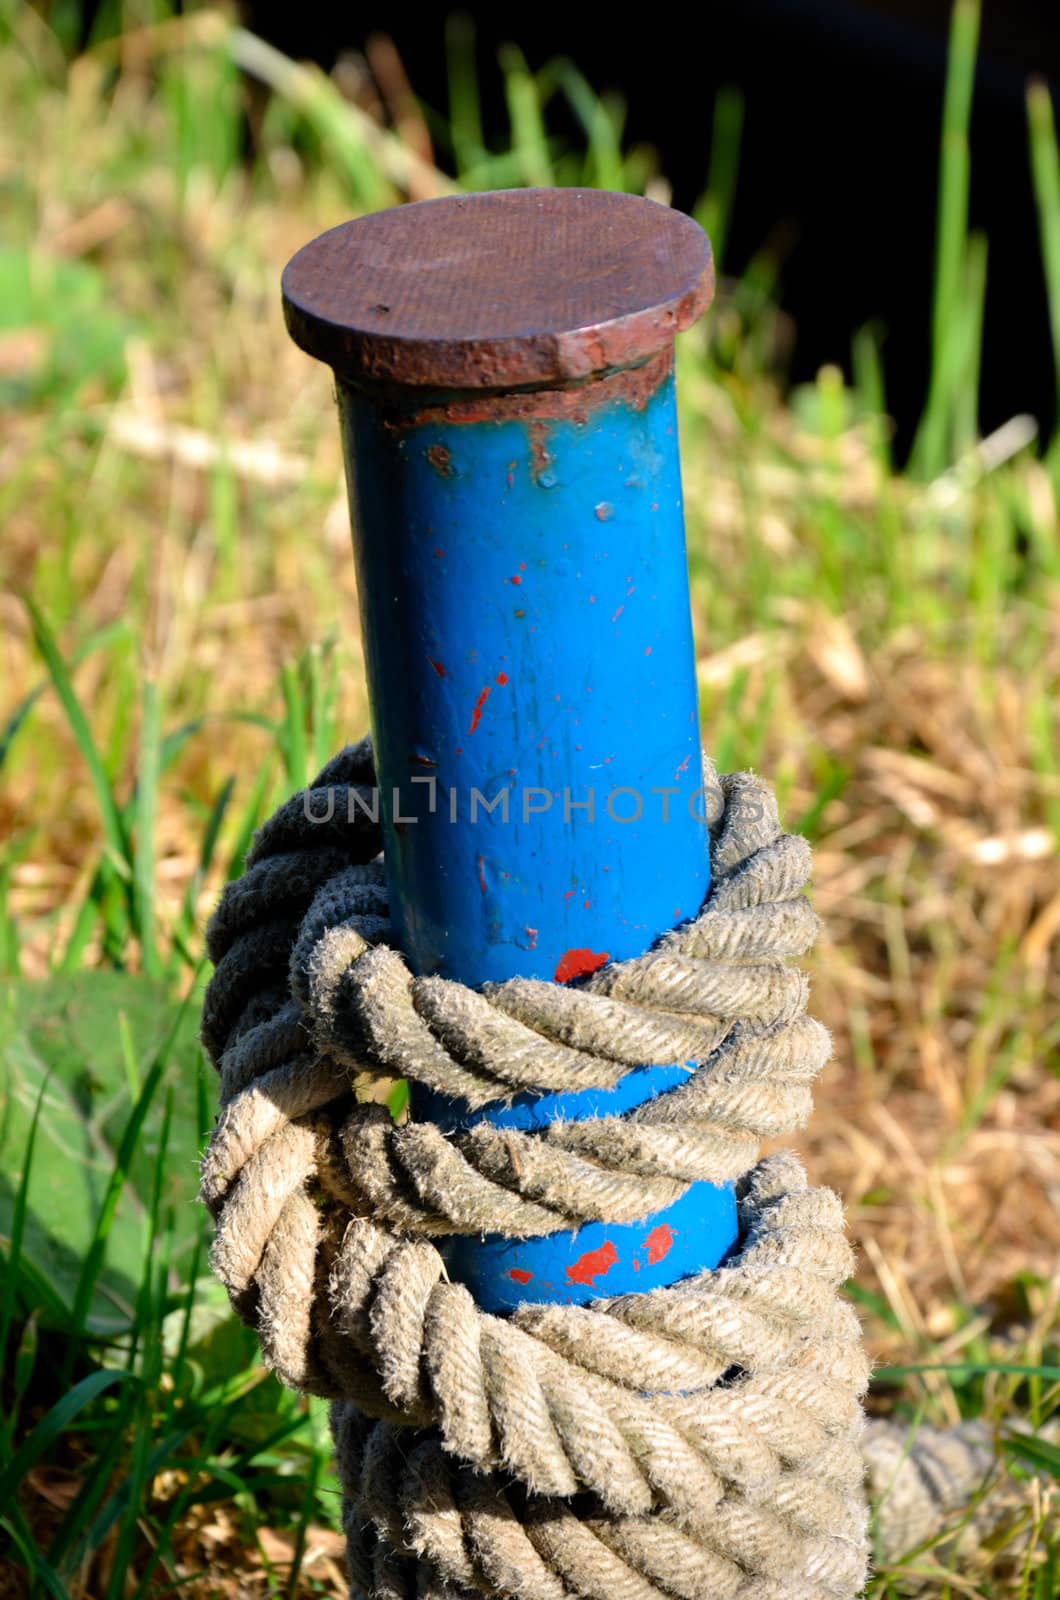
pixel 579 963
pixel 441 459
pixel 659 1243
pixel 477 709
pixel 593 1264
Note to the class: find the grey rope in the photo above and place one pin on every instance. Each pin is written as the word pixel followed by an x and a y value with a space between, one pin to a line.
pixel 700 1441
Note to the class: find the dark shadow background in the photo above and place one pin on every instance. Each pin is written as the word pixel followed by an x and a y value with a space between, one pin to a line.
pixel 839 160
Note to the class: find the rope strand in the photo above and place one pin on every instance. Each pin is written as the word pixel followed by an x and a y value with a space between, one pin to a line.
pixel 699 1442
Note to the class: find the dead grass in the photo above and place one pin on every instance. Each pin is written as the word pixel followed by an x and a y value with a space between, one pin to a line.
pixel 888 652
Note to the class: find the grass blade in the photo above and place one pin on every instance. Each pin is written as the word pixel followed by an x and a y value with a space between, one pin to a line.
pixel 715 210
pixel 52 1425
pixel 891 1374
pixel 40 1571
pixel 14 724
pixel 146 819
pixel 933 442
pixel 605 165
pixel 465 104
pixel 1045 168
pixel 529 137
pixel 248 822
pixel 1039 1452
pixel 293 728
pixel 184 933
pixel 18 1227
pixel 93 1261
pixel 110 813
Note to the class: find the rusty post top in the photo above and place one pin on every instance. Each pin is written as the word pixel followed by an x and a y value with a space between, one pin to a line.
pixel 513 289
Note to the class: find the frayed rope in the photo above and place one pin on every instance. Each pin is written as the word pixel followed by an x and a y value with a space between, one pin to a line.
pixel 703 1442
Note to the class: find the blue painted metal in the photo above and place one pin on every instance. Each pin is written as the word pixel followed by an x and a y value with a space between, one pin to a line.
pixel 525 615
pixel 600 1258
pixel 524 606
pixel 572 1268
pixel 525 1111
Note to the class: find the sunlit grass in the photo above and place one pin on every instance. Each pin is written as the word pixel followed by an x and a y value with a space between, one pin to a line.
pixel 179 649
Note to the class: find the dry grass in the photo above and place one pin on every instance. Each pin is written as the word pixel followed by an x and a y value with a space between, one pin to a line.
pixel 888 652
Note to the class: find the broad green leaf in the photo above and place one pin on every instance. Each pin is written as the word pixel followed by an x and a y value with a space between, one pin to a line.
pixel 61 1040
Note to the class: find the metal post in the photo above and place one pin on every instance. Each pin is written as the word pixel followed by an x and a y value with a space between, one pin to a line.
pixel 504 365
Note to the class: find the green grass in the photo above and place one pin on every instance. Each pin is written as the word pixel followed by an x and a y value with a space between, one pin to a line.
pixel 180 649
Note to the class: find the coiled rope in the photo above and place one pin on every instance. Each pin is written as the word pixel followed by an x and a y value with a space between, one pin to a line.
pixel 701 1441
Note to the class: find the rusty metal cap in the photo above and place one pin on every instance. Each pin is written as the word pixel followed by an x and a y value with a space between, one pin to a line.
pixel 512 289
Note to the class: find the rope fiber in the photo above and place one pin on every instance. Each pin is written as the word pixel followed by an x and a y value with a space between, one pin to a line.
pixel 701 1442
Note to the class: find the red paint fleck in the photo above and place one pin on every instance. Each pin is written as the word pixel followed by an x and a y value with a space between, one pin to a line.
pixel 516 578
pixel 677 911
pixel 424 761
pixel 618 613
pixel 592 599
pixel 438 550
pixel 522 564
pixel 519 1274
pixel 439 669
pixel 683 767
pixel 593 1264
pixel 586 905
pixel 570 893
pixel 480 862
pixel 578 963
pixel 648 651
pixel 531 934
pixel 476 714
pixel 501 678
pixel 659 1243
pixel 604 512
pixel 630 590
pixel 636 1264
pixel 655 505
pixel 520 613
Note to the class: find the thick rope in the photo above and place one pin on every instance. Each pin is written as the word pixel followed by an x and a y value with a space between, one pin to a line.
pixel 700 1441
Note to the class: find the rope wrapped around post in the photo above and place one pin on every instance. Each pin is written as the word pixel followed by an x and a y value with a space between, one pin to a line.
pixel 700 1440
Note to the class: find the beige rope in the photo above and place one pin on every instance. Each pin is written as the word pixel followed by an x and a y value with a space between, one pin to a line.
pixel 700 1441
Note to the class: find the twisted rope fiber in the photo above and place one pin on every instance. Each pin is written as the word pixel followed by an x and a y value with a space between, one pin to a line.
pixel 701 1441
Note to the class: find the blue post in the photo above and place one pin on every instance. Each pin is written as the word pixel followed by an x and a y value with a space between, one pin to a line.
pixel 520 555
